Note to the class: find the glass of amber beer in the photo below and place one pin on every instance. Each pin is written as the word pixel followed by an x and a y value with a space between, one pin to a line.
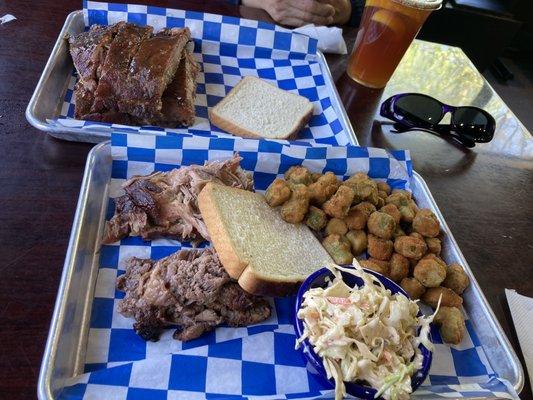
pixel 387 29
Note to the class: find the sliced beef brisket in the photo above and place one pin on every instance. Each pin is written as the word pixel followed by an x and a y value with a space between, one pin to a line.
pixel 189 289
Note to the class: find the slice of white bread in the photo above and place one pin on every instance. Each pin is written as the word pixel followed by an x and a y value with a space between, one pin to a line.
pixel 267 255
pixel 257 109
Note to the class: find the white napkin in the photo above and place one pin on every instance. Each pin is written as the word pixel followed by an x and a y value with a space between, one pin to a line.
pixel 330 39
pixel 522 312
pixel 6 18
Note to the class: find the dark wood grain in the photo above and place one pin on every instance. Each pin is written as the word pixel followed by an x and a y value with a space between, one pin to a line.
pixel 480 195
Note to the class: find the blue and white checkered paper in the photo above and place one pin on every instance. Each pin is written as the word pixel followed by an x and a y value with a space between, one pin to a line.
pixel 227 48
pixel 256 362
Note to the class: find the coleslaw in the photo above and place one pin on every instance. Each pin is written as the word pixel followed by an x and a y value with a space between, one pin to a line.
pixel 365 333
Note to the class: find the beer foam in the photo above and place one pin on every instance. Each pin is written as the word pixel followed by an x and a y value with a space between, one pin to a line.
pixel 422 4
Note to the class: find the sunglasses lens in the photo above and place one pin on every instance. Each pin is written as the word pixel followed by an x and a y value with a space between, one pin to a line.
pixel 472 123
pixel 419 110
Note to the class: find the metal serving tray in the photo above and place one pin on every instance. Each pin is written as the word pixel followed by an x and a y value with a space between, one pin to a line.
pixel 65 349
pixel 47 99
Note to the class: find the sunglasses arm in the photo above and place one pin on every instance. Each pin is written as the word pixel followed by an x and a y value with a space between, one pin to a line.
pixel 440 130
pixel 445 130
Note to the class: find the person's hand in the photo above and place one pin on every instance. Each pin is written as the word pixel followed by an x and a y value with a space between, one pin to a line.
pixel 343 10
pixel 297 12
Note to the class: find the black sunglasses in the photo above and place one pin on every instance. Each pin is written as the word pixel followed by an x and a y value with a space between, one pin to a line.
pixel 469 125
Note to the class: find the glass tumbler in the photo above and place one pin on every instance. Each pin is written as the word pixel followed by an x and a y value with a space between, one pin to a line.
pixel 387 29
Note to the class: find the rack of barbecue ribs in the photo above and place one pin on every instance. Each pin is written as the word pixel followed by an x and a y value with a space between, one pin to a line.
pixel 129 75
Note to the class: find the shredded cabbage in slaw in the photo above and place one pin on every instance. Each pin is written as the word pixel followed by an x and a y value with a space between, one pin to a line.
pixel 365 333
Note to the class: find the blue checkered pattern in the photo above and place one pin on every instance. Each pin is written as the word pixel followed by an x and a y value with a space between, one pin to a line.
pixel 228 48
pixel 255 362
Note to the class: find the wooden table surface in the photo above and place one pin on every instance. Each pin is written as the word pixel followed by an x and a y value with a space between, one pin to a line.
pixel 484 194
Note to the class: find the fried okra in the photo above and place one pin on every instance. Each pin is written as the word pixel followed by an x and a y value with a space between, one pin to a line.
pixel 316 218
pixel 399 267
pixel 356 219
pixel 430 272
pixel 407 213
pixel 403 192
pixel 355 179
pixel 414 289
pixel 379 248
pixel 398 232
pixel 449 297
pixel 339 204
pixel 402 200
pixel 296 207
pixel 383 263
pixel 358 241
pixel 315 176
pixel 277 193
pixel 393 211
pixel 363 187
pixel 357 216
pixel 456 278
pixel 434 257
pixel 298 174
pixel 336 225
pixel 323 188
pixel 366 207
pixel 374 199
pixel 452 324
pixel 417 235
pixel 338 248
pixel 384 187
pixel 434 245
pixel 410 247
pixel 426 223
pixel 381 224
pixel 399 199
pixel 378 266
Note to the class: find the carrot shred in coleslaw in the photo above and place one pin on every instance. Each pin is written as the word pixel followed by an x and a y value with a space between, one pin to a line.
pixel 365 333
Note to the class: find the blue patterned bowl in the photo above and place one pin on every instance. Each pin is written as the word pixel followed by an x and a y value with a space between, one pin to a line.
pixel 314 362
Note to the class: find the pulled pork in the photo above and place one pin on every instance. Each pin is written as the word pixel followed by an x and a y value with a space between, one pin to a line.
pixel 166 203
pixel 189 289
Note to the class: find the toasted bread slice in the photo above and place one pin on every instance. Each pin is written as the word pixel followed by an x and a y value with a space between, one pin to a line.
pixel 257 109
pixel 267 255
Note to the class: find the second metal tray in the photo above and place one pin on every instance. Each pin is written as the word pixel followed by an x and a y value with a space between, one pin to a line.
pixel 65 349
pixel 47 99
